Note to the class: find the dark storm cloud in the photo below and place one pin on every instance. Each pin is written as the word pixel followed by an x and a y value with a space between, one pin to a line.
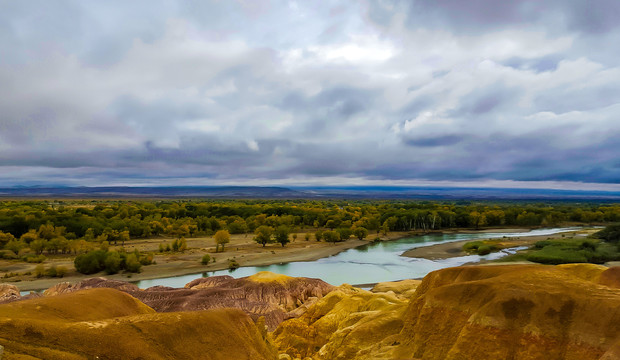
pixel 482 15
pixel 329 107
pixel 545 63
pixel 340 101
pixel 486 100
pixel 434 141
pixel 225 91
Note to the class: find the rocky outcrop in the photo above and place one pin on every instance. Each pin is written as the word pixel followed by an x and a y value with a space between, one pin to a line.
pixel 98 282
pixel 610 277
pixel 276 297
pixel 345 324
pixel 109 324
pixel 472 312
pixel 9 293
pixel 403 289
pixel 512 312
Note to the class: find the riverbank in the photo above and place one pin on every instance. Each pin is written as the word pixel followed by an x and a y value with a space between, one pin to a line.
pixel 241 248
pixel 455 249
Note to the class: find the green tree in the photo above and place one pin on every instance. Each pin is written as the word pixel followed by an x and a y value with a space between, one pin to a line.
pixel 124 236
pixel 360 232
pixel 281 235
pixel 477 219
pixel 91 262
pixel 318 235
pixel 15 246
pixel 331 236
pixel 48 231
pixel 345 233
pixel 5 238
pixel 262 234
pixel 38 246
pixel 29 237
pixel 222 237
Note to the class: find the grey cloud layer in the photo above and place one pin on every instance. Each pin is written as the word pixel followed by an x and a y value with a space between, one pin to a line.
pixel 223 91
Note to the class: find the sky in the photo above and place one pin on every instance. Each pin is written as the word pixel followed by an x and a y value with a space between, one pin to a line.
pixel 255 92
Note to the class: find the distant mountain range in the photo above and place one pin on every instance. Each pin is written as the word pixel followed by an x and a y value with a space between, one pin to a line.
pixel 340 192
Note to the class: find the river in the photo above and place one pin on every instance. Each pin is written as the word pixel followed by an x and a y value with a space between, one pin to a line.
pixel 372 263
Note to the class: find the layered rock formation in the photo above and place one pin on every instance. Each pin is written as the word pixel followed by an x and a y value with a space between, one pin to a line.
pixel 92 283
pixel 8 293
pixel 345 324
pixel 472 312
pixel 273 296
pixel 404 289
pixel 109 324
pixel 512 312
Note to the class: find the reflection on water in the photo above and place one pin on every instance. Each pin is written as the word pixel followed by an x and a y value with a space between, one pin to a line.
pixel 372 263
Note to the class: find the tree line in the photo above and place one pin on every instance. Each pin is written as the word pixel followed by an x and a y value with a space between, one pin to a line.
pixel 73 226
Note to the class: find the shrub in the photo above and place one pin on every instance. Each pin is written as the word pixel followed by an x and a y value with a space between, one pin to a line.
pixel 112 262
pixel 51 272
pixel 553 255
pixel 484 249
pixel 205 259
pixel 233 264
pixel 588 245
pixel 610 234
pixel 480 247
pixel 182 244
pixel 91 262
pixel 7 254
pixel 146 259
pixel 61 271
pixel 472 246
pixel 39 271
pixel 331 236
pixel 542 244
pixel 30 258
pixel 132 264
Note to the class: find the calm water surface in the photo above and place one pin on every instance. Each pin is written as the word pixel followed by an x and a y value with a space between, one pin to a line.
pixel 372 263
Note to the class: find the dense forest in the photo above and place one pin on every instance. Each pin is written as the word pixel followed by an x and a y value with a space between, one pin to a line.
pixel 69 226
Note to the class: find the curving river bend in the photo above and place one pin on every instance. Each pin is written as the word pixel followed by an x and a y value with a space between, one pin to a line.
pixel 372 263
